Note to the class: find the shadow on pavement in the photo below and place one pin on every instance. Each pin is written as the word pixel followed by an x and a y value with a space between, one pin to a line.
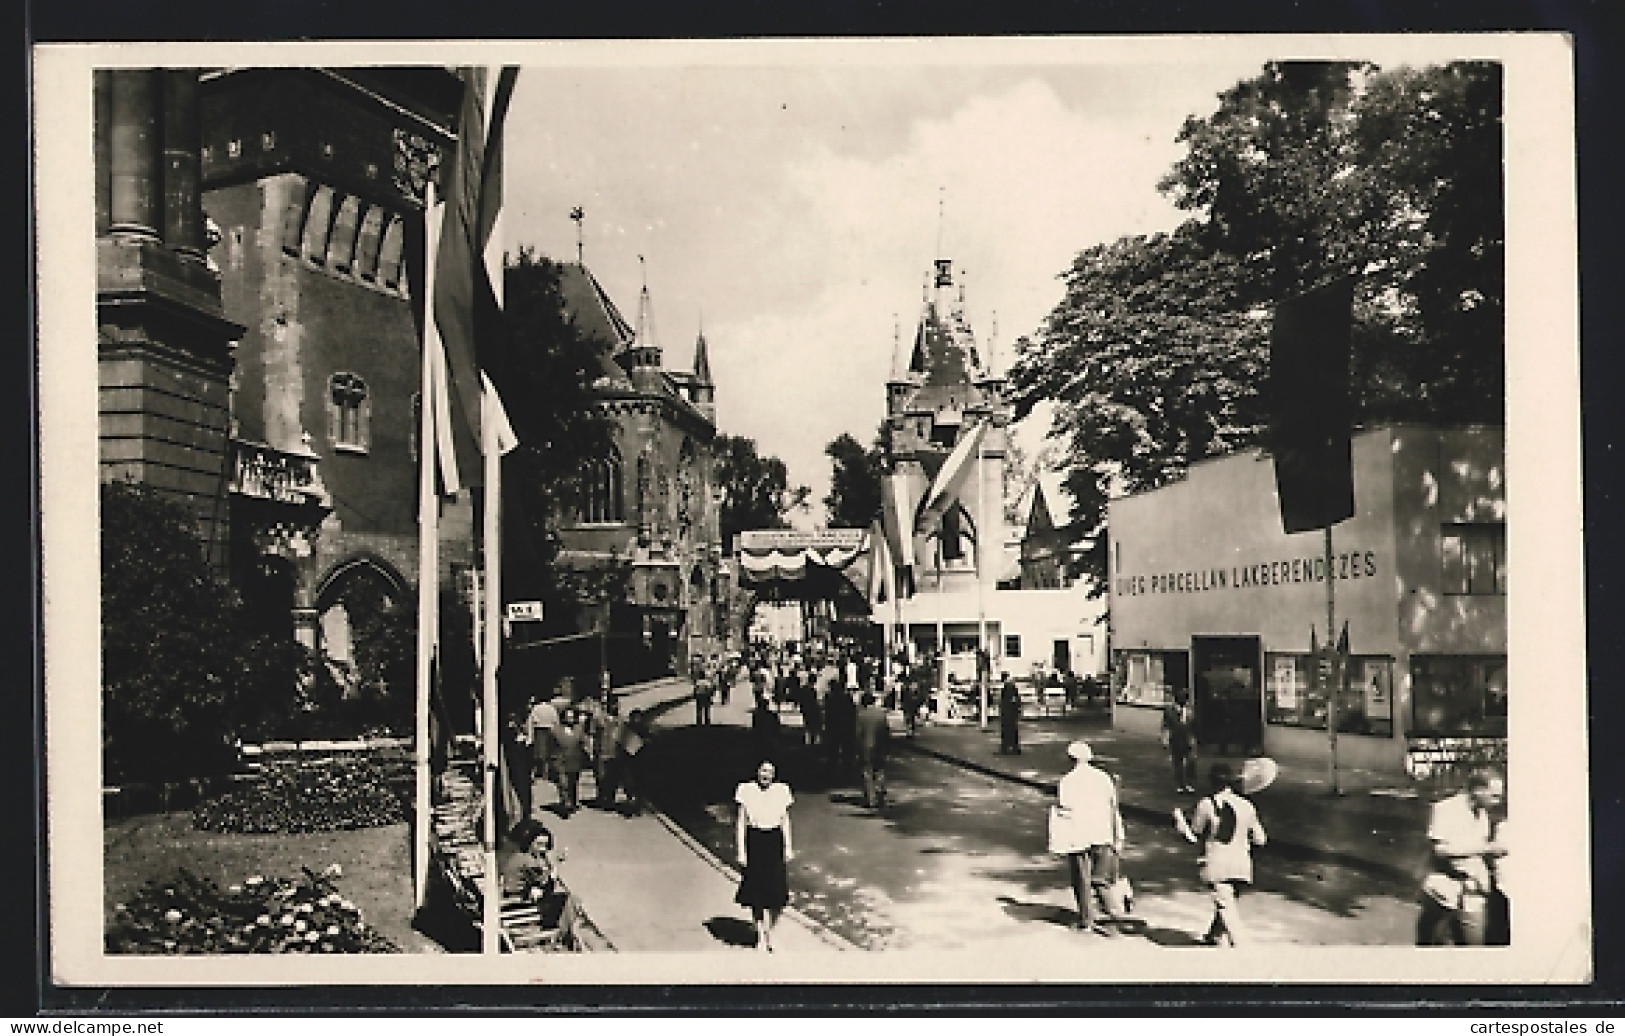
pixel 732 931
pixel 1048 913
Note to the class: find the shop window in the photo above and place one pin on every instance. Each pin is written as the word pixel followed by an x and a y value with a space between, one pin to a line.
pixel 349 413
pixel 601 500
pixel 1474 559
pixel 1012 645
pixel 1364 706
pixel 1150 677
pixel 1459 696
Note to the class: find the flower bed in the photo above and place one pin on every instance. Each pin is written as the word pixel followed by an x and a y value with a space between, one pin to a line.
pixel 189 914
pixel 296 796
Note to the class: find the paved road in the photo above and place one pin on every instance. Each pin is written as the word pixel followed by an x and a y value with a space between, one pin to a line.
pixel 958 859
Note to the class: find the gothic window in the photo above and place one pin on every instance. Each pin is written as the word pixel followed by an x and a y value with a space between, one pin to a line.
pixel 341 249
pixel 317 226
pixel 300 196
pixel 367 242
pixel 349 412
pixel 601 497
pixel 389 255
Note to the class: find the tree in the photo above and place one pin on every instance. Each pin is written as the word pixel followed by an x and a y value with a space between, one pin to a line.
pixel 756 492
pixel 1157 351
pixel 182 675
pixel 854 485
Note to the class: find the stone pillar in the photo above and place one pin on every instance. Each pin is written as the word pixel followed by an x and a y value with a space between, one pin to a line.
pixel 103 133
pixel 182 138
pixel 135 185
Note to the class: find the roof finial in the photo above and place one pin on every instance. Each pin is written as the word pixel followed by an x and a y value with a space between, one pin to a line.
pixel 578 215
pixel 941 194
pixel 992 347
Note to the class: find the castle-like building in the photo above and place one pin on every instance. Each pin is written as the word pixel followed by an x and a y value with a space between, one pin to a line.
pixel 643 534
pixel 943 391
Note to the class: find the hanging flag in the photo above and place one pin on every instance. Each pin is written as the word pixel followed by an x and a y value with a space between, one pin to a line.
pixel 898 504
pixel 468 276
pixel 949 484
pixel 1309 406
pixel 882 572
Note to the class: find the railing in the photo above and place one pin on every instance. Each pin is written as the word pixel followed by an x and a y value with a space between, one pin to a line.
pixel 265 473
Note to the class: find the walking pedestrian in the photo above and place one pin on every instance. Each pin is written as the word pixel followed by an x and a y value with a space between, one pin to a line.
pixel 1009 717
pixel 540 726
pixel 1178 736
pixel 873 740
pixel 840 729
pixel 634 738
pixel 812 717
pixel 570 759
pixel 1227 826
pixel 764 729
pixel 762 832
pixel 1086 827
pixel 1462 898
pixel 608 753
pixel 702 695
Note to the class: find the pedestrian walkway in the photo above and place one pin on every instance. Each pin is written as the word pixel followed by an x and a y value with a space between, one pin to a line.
pixel 1370 827
pixel 648 886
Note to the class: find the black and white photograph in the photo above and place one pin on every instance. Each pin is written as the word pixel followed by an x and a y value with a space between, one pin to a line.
pixel 1056 510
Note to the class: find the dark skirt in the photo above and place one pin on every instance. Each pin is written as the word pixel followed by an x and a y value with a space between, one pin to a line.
pixel 766 886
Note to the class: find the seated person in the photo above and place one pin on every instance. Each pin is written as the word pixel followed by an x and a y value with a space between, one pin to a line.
pixel 528 869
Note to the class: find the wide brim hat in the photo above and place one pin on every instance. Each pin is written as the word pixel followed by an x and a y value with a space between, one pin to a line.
pixel 1080 751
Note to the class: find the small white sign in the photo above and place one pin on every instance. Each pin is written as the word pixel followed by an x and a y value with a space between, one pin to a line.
pixel 524 611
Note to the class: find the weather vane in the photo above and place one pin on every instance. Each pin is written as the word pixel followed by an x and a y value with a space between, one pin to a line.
pixel 578 215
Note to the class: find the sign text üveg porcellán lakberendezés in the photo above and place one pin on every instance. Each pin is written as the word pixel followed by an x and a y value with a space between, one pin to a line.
pixel 1357 564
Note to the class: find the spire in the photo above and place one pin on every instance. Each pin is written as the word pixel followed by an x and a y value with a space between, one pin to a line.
pixel 899 358
pixel 578 215
pixel 645 312
pixel 702 361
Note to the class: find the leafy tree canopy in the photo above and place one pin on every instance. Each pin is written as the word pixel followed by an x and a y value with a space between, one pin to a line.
pixel 854 486
pixel 1157 352
pixel 756 491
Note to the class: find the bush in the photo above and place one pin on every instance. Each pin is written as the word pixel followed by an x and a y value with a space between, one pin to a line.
pixel 190 914
pixel 297 797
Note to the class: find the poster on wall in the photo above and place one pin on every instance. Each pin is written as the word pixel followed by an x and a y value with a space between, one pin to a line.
pixel 1284 682
pixel 1379 704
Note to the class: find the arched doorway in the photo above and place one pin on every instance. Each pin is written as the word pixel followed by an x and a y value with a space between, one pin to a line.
pixel 367 626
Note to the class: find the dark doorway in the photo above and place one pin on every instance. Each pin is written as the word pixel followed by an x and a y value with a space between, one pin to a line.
pixel 1063 656
pixel 1229 693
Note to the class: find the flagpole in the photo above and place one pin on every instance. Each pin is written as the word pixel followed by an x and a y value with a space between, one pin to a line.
pixel 1337 665
pixel 428 568
pixel 492 537
pixel 985 658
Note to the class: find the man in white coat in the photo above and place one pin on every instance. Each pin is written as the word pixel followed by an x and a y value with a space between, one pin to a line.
pixel 1087 827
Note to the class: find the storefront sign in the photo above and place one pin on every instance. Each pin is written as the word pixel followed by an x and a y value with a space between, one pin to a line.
pixel 1349 565
pixel 800 539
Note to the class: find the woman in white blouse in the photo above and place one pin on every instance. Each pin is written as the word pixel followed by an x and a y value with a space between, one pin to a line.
pixel 763 835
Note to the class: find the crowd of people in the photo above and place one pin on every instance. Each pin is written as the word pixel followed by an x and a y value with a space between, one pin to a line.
pixel 560 738
pixel 843 695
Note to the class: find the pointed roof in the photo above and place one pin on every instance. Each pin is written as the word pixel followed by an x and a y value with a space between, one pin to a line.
pixel 1039 522
pixel 590 307
pixel 702 362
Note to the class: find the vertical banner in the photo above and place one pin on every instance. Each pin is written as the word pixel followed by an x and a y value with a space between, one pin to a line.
pixel 1309 406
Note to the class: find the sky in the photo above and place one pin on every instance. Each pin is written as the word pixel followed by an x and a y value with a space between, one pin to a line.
pixel 790 200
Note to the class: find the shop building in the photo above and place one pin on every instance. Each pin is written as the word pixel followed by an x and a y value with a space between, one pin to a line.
pixel 1208 595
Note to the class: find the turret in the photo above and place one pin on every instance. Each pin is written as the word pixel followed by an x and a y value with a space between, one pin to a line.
pixel 704 391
